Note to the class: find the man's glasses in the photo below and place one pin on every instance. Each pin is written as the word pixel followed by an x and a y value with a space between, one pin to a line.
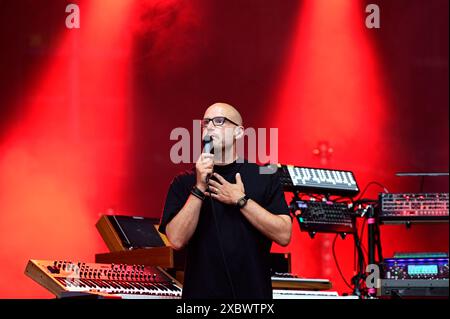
pixel 217 121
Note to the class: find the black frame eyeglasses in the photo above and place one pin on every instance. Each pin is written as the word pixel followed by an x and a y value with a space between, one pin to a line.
pixel 217 121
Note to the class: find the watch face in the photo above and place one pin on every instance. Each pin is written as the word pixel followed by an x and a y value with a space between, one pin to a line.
pixel 241 202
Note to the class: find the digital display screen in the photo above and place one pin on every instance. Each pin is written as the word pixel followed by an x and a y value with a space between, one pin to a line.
pixel 302 204
pixel 422 269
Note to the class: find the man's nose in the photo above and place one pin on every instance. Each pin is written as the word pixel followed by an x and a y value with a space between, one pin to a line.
pixel 208 129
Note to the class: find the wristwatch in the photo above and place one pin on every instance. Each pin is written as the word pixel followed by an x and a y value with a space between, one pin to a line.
pixel 242 201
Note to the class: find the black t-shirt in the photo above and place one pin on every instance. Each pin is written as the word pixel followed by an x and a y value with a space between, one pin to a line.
pixel 246 251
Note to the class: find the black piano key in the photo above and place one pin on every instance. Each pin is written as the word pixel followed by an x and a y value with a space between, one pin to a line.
pixel 87 283
pixel 162 287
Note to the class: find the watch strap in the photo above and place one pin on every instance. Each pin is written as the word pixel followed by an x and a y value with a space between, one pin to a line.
pixel 198 193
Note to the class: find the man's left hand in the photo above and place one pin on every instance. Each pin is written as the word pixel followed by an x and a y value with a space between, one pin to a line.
pixel 226 192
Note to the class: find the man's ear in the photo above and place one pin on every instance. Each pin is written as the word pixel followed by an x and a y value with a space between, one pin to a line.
pixel 238 132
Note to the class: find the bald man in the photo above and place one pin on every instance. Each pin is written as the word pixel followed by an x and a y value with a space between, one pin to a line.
pixel 227 215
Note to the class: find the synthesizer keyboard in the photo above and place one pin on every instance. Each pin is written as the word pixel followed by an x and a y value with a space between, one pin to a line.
pixel 413 207
pixel 66 278
pixel 307 294
pixel 324 216
pixel 317 180
pixel 291 281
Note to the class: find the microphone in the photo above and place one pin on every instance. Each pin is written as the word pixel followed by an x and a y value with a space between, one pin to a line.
pixel 208 145
pixel 208 148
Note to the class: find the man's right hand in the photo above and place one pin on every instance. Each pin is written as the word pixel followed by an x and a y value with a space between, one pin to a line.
pixel 204 167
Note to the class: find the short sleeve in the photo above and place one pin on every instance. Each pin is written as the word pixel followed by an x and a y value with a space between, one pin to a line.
pixel 176 198
pixel 275 200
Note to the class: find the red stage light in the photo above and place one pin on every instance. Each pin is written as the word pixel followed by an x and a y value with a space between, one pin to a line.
pixel 329 91
pixel 61 163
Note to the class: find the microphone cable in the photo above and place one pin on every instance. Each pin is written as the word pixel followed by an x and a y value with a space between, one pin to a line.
pixel 227 270
pixel 209 149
